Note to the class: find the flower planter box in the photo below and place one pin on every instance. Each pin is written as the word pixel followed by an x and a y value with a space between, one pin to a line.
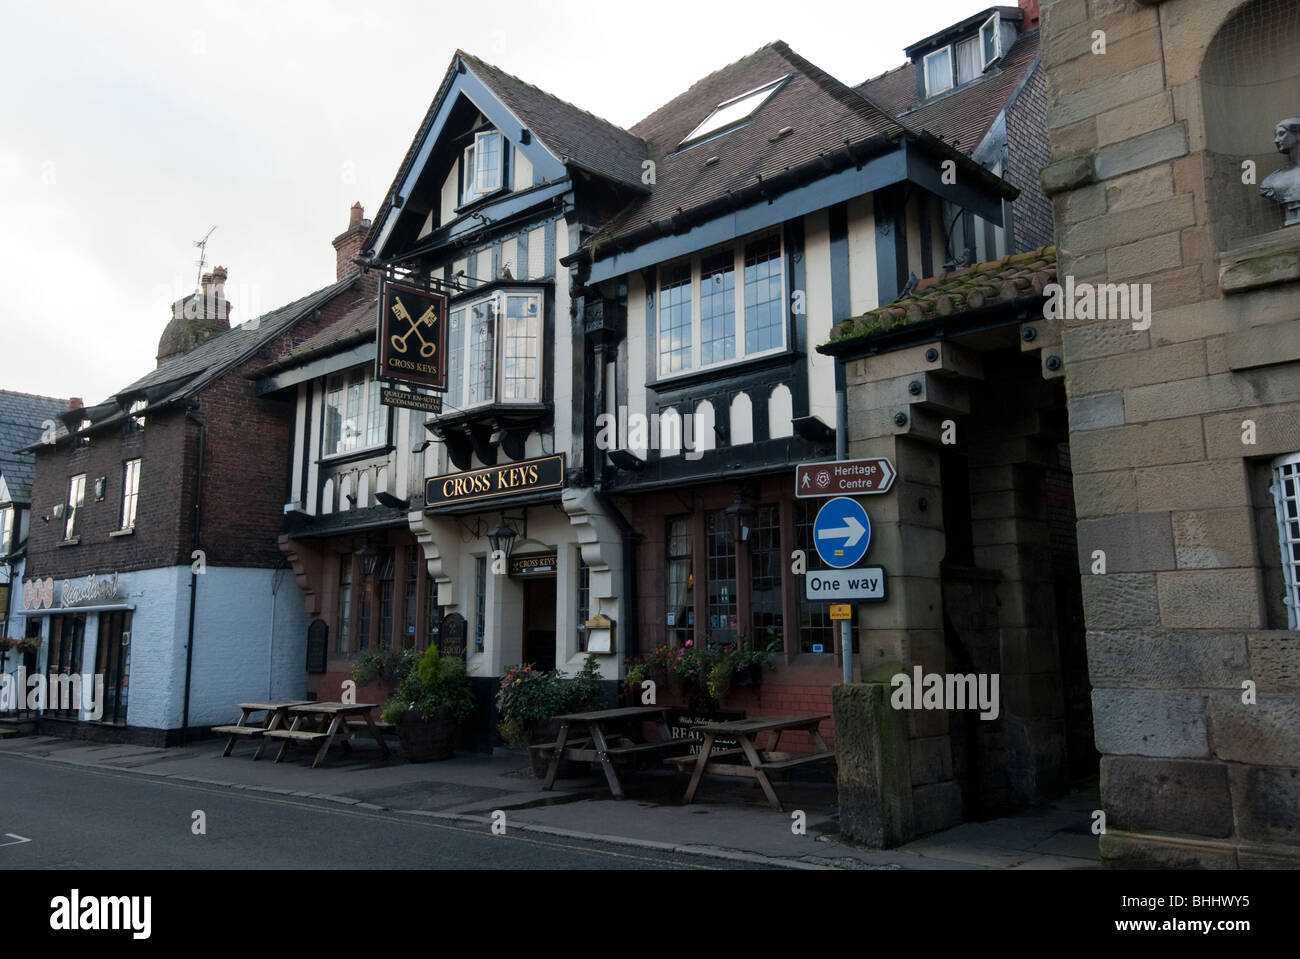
pixel 424 741
pixel 749 675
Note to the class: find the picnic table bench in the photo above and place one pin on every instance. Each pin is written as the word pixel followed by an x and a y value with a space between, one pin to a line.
pixel 608 748
pixel 276 712
pixel 337 715
pixel 758 762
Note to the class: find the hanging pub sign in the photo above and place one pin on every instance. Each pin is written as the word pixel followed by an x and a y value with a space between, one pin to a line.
pixel 525 476
pixel 412 337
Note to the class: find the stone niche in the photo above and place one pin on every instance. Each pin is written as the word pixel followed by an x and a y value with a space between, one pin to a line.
pixel 1250 80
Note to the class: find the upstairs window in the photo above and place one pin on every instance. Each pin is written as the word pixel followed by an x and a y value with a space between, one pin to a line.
pixel 6 530
pixel 354 417
pixel 990 41
pixel 1286 498
pixel 731 112
pixel 135 415
pixel 494 351
pixel 937 67
pixel 481 171
pixel 76 499
pixel 969 65
pixel 722 307
pixel 130 492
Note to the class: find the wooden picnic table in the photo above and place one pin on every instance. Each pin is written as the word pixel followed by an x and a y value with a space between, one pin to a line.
pixel 597 723
pixel 276 717
pixel 758 763
pixel 337 714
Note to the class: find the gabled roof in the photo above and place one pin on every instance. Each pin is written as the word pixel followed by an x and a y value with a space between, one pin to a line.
pixel 956 30
pixel 1009 280
pixel 356 326
pixel 824 115
pixel 22 416
pixel 963 116
pixel 572 134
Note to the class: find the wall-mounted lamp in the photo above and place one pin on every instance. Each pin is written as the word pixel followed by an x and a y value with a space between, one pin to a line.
pixel 508 530
pixel 742 516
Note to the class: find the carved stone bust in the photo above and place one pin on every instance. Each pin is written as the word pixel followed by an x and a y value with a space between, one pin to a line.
pixel 1283 186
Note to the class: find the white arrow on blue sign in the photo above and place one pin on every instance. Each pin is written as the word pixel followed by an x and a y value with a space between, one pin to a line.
pixel 841 532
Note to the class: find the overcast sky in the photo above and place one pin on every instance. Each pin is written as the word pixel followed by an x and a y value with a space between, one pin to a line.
pixel 128 130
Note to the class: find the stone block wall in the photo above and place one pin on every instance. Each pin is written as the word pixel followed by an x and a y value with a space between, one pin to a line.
pixel 1175 417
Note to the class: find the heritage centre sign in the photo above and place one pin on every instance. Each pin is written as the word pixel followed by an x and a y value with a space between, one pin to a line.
pixel 844 478
pixel 412 337
pixel 525 476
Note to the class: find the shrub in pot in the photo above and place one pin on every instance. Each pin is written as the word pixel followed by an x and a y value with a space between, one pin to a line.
pixel 432 697
pixel 528 698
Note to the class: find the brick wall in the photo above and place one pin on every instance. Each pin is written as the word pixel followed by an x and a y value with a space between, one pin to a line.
pixel 1028 153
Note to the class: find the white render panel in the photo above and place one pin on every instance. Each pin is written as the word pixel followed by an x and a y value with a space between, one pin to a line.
pixel 510 257
pixel 299 444
pixel 523 177
pixel 636 345
pixel 863 293
pixel 741 419
pixel 450 187
pixel 821 369
pixel 537 252
pixel 780 412
pixel 316 398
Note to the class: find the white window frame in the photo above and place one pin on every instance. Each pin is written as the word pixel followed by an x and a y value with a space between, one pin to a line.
pixel 997 41
pixel 76 500
pixel 500 300
pixel 362 429
pixel 471 186
pixel 8 523
pixel 925 70
pixel 130 492
pixel 977 43
pixel 1286 500
pixel 708 127
pixel 737 248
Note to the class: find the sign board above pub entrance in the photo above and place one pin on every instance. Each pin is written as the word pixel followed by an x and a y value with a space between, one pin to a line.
pixel 494 482
pixel 843 478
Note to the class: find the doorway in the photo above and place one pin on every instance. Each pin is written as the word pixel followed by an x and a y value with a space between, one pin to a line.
pixel 539 622
pixel 113 662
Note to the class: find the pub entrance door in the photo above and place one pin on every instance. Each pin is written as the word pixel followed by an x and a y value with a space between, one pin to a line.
pixel 539 622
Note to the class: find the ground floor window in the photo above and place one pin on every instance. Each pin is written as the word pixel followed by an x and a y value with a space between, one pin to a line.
pixel 720 573
pixel 344 621
pixel 113 662
pixel 67 644
pixel 584 600
pixel 480 599
pixel 765 575
pixel 681 581
pixel 817 631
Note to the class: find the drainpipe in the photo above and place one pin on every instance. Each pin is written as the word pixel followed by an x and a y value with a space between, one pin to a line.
pixel 842 452
pixel 194 578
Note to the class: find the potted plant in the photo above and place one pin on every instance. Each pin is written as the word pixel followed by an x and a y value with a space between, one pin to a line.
pixel 432 697
pixel 528 698
pixel 637 672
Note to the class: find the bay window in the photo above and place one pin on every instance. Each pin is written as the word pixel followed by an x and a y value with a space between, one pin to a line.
pixel 354 417
pixel 701 301
pixel 494 351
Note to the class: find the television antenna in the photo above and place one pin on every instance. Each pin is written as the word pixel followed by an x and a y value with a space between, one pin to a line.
pixel 202 260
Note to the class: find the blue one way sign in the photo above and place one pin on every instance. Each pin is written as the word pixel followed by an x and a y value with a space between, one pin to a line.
pixel 841 532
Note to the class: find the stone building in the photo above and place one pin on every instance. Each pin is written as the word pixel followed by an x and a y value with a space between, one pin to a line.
pixel 1184 419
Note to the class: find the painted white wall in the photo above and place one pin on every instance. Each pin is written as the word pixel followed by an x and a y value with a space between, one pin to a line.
pixel 821 369
pixel 523 176
pixel 636 346
pixel 447 211
pixel 537 253
pixel 562 344
pixel 863 287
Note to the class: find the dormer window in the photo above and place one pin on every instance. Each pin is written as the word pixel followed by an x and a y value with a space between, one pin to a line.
pixel 481 171
pixel 938 71
pixel 135 416
pixel 730 113
pixel 990 41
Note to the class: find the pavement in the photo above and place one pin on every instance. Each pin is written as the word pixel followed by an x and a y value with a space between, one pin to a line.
pixel 729 820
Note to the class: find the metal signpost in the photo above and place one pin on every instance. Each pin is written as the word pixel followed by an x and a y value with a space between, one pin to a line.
pixel 841 535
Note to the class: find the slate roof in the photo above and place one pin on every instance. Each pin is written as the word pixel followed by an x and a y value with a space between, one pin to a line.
pixel 189 373
pixel 1009 280
pixel 356 326
pixel 961 117
pixel 573 134
pixel 21 419
pixel 824 113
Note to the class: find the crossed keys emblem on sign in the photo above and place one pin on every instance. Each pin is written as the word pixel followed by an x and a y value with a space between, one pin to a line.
pixel 427 318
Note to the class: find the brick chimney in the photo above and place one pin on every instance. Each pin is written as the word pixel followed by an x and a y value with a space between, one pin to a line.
pixel 197 317
pixel 348 243
pixel 76 403
pixel 1029 11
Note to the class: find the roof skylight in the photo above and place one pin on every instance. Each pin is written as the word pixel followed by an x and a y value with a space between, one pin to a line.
pixel 730 112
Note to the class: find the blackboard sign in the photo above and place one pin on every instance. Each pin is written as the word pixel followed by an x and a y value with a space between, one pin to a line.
pixel 451 636
pixel 683 723
pixel 318 634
